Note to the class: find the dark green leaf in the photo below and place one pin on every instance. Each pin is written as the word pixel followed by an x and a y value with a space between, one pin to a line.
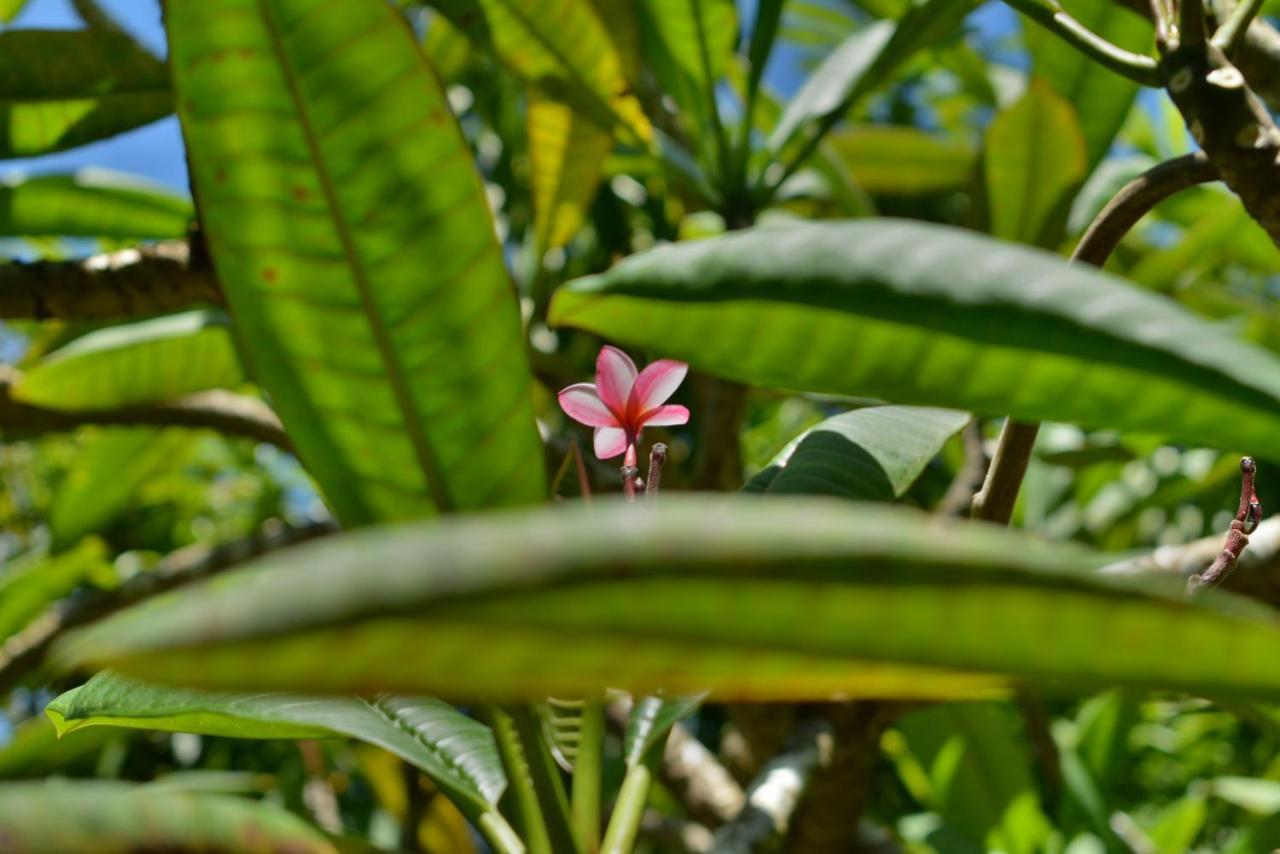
pixel 112 816
pixel 63 88
pixel 145 362
pixel 354 243
pixel 931 315
pixel 749 597
pixel 871 454
pixel 456 752
pixel 91 204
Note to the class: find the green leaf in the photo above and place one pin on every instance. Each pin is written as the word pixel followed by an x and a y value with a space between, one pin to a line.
pixel 1102 97
pixel 651 719
pixel 91 203
pixel 63 88
pixel 355 246
pixel 111 816
pixel 34 750
pixel 1250 793
pixel 901 161
pixel 863 62
pixel 561 46
pixel 566 163
pixel 1035 162
pixel 1179 824
pixel 749 597
pixel 144 362
pixel 931 315
pixel 456 752
pixel 110 467
pixel 978 763
pixel 871 454
pixel 10 9
pixel 29 584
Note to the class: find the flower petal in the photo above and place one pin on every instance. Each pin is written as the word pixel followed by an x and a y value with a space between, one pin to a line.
pixel 581 403
pixel 610 441
pixel 657 382
pixel 665 416
pixel 615 375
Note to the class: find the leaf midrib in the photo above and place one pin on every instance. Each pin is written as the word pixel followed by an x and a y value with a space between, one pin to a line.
pixel 425 453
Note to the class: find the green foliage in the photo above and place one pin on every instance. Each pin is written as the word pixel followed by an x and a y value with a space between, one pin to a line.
pixel 60 89
pixel 145 362
pixel 91 204
pixel 842 313
pixel 871 454
pixel 366 281
pixel 317 619
pixel 79 816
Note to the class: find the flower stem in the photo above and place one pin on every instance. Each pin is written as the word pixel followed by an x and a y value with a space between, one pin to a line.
pixel 630 472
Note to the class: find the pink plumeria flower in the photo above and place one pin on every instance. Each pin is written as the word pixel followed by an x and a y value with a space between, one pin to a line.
pixel 623 401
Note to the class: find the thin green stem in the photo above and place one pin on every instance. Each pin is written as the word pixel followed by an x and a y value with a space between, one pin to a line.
pixel 1135 66
pixel 524 799
pixel 500 835
pixel 545 776
pixel 584 805
pixel 1234 28
pixel 628 810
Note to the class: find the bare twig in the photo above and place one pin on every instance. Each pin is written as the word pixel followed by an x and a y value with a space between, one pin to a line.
pixel 657 459
pixel 675 836
pixel 968 480
pixel 1136 67
pixel 777 791
pixel 1248 515
pixel 999 492
pixel 1228 36
pixel 127 283
pixel 224 411
pixel 630 476
pixel 25 651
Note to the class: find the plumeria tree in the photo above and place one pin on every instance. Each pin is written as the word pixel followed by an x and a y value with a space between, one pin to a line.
pixel 339 513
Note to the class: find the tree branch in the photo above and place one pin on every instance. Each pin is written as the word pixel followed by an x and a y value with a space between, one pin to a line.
pixel 1135 66
pixel 145 280
pixel 1228 36
pixel 25 651
pixel 224 411
pixel 994 502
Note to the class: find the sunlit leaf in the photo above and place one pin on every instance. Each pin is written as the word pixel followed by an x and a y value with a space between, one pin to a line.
pixel 651 720
pixel 92 203
pixel 29 584
pixel 63 88
pixel 110 467
pixel 925 314
pixel 1035 162
pixel 871 454
pixel 750 597
pixel 356 249
pixel 566 159
pixel 112 816
pixel 561 46
pixel 144 362
pixel 900 161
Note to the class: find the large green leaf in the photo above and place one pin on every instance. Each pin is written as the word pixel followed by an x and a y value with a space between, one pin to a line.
pixel 143 362
pixel 566 163
pixel 1101 96
pixel 91 203
pixel 897 161
pixel 871 454
pixel 750 597
pixel 455 751
pixel 561 46
pixel 63 88
pixel 926 314
pixel 111 816
pixel 353 240
pixel 111 466
pixel 1035 162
